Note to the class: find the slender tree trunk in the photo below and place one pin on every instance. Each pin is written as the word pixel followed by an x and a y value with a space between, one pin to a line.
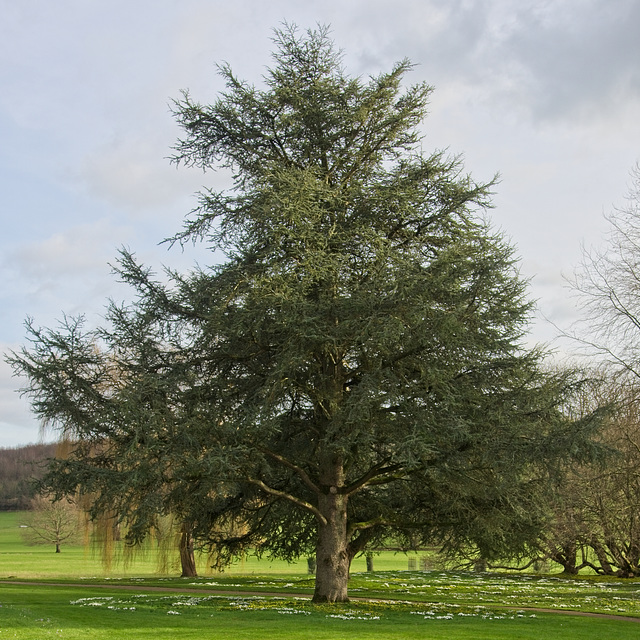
pixel 57 547
pixel 187 557
pixel 311 566
pixel 332 557
pixel 369 557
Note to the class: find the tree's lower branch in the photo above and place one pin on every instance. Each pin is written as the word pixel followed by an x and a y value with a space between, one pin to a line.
pixel 294 467
pixel 360 526
pixel 512 568
pixel 290 498
pixel 378 474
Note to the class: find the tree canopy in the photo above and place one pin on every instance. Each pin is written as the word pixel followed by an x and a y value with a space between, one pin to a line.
pixel 353 371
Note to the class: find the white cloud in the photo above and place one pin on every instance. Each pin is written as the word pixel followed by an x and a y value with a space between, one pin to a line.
pixel 552 61
pixel 134 175
pixel 65 273
pixel 70 253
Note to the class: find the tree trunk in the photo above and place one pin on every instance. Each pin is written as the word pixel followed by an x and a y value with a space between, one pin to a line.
pixel 567 557
pixel 311 565
pixel 332 557
pixel 369 561
pixel 57 547
pixel 187 558
pixel 601 554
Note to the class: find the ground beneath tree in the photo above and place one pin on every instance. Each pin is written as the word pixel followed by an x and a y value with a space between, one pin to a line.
pixel 281 594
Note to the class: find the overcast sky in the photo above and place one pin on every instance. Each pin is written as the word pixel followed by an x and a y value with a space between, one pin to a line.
pixel 546 93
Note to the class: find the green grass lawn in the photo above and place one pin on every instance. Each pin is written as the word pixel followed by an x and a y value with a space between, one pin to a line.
pixel 17 559
pixel 396 603
pixel 30 612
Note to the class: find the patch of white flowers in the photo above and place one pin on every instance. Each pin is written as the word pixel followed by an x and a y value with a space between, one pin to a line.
pixel 97 601
pixel 445 596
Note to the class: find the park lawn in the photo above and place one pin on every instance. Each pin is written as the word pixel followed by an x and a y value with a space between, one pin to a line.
pixel 80 561
pixel 34 612
pixel 19 560
pixel 453 589
pixel 444 604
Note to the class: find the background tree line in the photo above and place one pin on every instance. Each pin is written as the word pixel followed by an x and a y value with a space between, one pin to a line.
pixel 594 517
pixel 593 522
pixel 597 521
pixel 20 467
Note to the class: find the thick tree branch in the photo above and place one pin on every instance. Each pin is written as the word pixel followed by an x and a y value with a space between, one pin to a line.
pixel 361 526
pixel 374 473
pixel 294 467
pixel 281 494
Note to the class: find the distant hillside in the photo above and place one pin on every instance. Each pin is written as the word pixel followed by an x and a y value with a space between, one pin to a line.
pixel 19 466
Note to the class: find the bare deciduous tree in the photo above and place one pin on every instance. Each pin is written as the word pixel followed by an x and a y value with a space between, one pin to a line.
pixel 596 520
pixel 608 284
pixel 51 523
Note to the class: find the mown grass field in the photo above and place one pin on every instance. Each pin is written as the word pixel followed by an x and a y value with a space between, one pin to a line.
pixel 134 602
pixel 79 561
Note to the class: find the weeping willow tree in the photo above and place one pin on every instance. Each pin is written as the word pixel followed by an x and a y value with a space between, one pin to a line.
pixel 140 513
pixel 353 370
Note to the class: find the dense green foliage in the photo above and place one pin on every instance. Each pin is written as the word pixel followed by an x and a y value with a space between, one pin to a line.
pixel 354 369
